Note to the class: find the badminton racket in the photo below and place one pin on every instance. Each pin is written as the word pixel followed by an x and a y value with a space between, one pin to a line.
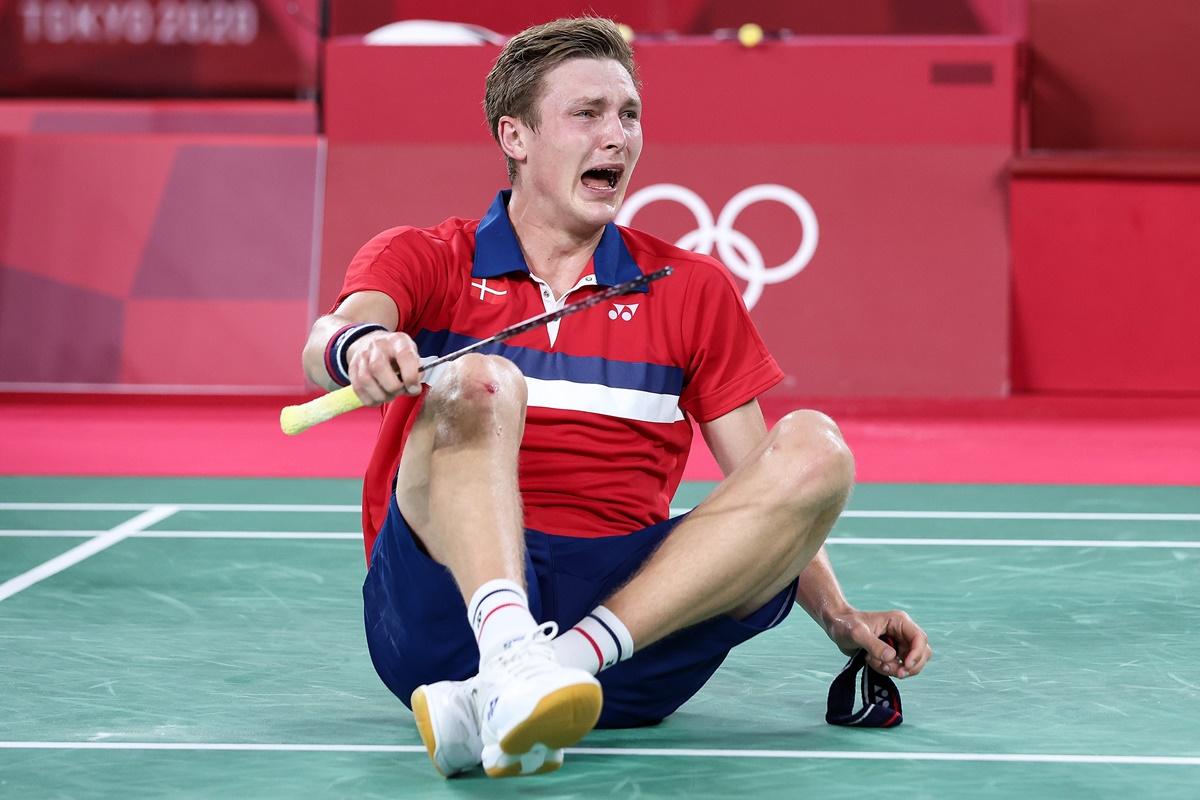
pixel 299 418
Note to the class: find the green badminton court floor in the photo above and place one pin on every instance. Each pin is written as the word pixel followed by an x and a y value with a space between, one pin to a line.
pixel 206 641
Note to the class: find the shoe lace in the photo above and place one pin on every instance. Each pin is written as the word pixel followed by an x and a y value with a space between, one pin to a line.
pixel 532 655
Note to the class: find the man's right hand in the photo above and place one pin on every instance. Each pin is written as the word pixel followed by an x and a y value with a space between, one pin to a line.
pixel 384 366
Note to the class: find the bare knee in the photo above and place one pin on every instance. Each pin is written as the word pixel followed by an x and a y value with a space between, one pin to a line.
pixel 810 463
pixel 479 379
pixel 477 393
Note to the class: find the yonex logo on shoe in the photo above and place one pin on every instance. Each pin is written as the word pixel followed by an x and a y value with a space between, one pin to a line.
pixel 624 312
pixel 491 709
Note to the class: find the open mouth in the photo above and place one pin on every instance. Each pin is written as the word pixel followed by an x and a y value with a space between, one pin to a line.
pixel 602 177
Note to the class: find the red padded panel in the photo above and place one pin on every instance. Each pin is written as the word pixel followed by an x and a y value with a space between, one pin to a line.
pixel 1105 285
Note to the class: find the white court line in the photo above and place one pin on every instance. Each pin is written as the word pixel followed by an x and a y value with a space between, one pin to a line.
pixel 868 540
pixel 1113 543
pixel 85 550
pixel 355 509
pixel 250 534
pixel 1079 516
pixel 848 755
pixel 44 533
pixel 280 748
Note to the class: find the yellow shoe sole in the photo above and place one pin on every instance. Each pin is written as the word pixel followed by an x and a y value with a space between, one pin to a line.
pixel 420 709
pixel 514 770
pixel 559 720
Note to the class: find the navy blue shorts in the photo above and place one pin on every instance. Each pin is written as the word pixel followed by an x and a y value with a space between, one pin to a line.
pixel 417 629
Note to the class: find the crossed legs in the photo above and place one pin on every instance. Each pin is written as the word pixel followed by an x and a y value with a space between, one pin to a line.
pixel 457 485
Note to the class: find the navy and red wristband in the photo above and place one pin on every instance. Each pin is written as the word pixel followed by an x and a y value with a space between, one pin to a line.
pixel 336 361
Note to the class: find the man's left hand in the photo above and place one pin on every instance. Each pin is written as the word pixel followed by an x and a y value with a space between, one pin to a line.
pixel 856 630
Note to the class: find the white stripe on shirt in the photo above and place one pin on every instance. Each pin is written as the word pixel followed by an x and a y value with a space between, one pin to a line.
pixel 593 398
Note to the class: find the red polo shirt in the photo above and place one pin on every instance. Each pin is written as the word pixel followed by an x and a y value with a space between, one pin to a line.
pixel 612 389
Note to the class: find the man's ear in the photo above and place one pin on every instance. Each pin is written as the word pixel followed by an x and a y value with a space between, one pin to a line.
pixel 513 135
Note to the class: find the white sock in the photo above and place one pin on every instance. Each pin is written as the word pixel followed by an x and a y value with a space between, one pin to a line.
pixel 596 643
pixel 499 614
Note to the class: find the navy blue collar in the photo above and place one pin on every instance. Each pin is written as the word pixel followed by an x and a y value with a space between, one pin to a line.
pixel 497 251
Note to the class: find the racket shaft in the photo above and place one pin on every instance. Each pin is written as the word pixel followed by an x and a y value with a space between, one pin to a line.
pixel 299 418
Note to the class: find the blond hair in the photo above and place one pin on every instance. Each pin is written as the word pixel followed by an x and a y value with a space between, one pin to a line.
pixel 514 85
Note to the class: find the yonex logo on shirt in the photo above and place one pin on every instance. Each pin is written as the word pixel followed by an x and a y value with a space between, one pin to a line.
pixel 623 312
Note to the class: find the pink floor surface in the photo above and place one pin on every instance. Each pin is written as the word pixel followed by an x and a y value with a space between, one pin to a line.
pixel 1016 440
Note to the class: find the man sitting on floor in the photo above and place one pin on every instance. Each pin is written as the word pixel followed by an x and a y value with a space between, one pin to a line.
pixel 524 494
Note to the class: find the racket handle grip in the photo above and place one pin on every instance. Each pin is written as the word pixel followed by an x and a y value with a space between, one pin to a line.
pixel 299 418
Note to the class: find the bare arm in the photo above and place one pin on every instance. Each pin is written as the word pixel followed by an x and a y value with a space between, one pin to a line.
pixel 732 436
pixel 383 364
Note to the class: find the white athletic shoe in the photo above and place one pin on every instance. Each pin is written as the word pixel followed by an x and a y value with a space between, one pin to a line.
pixel 515 717
pixel 449 725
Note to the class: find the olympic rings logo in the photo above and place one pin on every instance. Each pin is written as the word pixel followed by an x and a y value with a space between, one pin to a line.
pixel 735 249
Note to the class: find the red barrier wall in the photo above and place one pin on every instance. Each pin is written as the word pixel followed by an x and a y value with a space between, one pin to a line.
pixel 1114 74
pixel 178 262
pixel 271 117
pixel 1106 206
pixel 899 147
pixel 845 17
pixel 157 48
pixel 1105 277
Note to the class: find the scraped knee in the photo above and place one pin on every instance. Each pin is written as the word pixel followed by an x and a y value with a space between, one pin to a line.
pixel 475 393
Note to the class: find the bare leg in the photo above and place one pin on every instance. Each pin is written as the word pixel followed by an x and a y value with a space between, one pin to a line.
pixel 752 537
pixel 457 481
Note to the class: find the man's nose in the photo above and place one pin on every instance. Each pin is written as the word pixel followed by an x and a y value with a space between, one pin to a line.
pixel 614 133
